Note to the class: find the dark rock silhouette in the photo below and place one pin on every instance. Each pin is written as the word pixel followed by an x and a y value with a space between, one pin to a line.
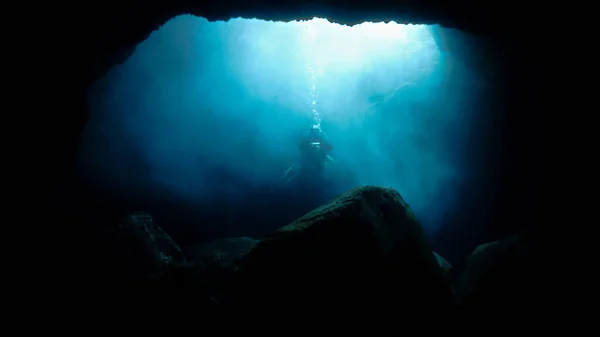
pixel 505 273
pixel 360 253
pixel 363 251
pixel 444 264
pixel 221 253
pixel 141 248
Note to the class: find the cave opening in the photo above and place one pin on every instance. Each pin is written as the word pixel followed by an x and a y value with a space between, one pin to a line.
pixel 200 124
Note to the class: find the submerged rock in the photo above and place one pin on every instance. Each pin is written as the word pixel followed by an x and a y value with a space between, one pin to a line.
pixel 363 251
pixel 143 248
pixel 209 274
pixel 221 253
pixel 504 274
pixel 443 263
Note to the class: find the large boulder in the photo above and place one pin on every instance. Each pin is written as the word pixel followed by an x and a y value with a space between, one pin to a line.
pixel 507 273
pixel 363 251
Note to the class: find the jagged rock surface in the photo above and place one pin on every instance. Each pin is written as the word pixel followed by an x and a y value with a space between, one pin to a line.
pixel 443 263
pixel 363 251
pixel 142 248
pixel 208 275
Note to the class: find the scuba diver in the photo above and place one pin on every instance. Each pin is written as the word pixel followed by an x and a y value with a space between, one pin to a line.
pixel 314 156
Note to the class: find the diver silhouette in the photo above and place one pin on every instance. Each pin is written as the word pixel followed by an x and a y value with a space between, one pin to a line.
pixel 314 156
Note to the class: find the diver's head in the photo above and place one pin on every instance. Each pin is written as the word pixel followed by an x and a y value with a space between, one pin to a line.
pixel 315 129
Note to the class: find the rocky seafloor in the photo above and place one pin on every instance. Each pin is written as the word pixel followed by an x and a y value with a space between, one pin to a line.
pixel 363 252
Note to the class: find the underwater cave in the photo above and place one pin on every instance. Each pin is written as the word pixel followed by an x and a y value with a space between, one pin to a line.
pixel 200 123
pixel 182 122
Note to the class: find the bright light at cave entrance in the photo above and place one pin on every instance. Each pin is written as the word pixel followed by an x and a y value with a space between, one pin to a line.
pixel 329 42
pixel 335 55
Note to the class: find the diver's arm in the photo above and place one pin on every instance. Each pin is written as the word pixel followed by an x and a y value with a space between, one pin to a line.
pixel 330 160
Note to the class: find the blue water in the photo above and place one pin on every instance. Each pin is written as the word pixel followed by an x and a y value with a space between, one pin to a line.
pixel 208 115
